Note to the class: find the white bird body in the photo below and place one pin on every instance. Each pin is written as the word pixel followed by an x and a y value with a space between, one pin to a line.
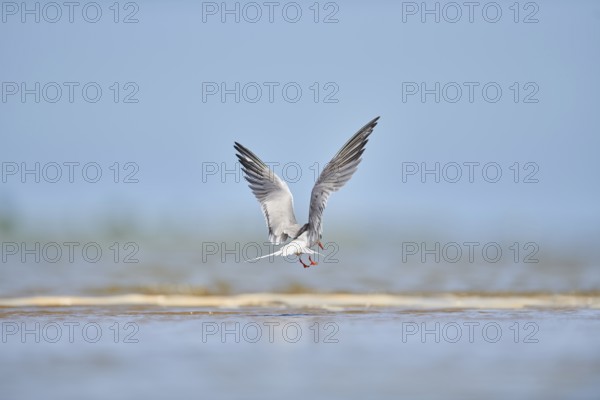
pixel 294 248
pixel 277 202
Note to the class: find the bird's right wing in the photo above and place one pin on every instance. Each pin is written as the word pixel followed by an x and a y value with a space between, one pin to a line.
pixel 273 194
pixel 335 175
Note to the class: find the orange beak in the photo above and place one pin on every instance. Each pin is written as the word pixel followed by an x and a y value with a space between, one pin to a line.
pixel 321 245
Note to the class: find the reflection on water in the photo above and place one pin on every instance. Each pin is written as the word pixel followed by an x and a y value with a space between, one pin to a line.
pixel 274 352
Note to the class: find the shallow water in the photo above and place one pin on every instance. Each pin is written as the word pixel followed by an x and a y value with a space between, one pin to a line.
pixel 425 348
pixel 173 326
pixel 183 269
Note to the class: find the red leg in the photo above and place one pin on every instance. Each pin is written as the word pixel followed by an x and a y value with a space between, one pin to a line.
pixel 300 259
pixel 311 261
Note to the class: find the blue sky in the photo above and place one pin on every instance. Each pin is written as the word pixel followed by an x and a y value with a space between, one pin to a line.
pixel 365 61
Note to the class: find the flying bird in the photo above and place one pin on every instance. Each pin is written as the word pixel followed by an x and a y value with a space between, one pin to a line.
pixel 277 202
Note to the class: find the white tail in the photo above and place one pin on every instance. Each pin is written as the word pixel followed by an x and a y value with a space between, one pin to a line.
pixel 294 247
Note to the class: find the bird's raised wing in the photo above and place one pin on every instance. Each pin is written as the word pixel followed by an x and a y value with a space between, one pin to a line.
pixel 273 194
pixel 335 175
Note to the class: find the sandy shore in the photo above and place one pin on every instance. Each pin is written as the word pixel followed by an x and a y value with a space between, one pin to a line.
pixel 325 301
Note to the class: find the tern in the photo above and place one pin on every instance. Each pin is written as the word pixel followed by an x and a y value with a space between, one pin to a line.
pixel 277 202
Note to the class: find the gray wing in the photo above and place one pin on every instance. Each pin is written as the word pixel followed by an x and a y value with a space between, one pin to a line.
pixel 273 194
pixel 335 175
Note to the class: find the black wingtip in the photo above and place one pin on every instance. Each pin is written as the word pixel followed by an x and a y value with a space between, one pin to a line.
pixel 366 130
pixel 370 125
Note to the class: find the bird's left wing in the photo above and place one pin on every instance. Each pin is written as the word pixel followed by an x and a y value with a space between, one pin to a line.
pixel 335 175
pixel 273 194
